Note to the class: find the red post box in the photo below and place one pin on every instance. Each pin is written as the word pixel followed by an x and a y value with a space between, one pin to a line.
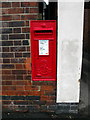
pixel 43 50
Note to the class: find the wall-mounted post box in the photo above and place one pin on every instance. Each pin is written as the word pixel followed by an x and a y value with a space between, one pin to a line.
pixel 43 50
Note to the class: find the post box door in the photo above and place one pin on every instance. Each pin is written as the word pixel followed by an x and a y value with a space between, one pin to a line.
pixel 43 49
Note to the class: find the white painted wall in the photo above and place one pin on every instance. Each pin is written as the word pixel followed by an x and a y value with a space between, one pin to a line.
pixel 70 37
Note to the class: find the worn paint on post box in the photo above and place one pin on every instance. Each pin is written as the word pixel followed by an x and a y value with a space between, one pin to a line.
pixel 43 49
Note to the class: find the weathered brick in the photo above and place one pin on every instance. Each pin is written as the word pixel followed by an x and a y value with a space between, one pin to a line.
pixel 7 66
pixel 25 42
pixel 5 49
pixel 19 77
pixel 33 10
pixel 6 60
pixel 8 87
pixel 29 87
pixel 16 24
pixel 5 24
pixel 6 82
pixel 26 54
pixel 46 87
pixel 32 97
pixel 6 71
pixel 6 4
pixel 9 77
pixel 27 77
pixel 26 30
pixel 17 36
pixel 18 71
pixel 18 54
pixel 20 87
pixel 17 49
pixel 29 17
pixel 26 23
pixel 7 55
pixel 17 30
pixel 15 4
pixel 7 43
pixel 19 66
pixel 27 36
pixel 29 4
pixel 4 11
pixel 15 17
pixel 6 17
pixel 4 37
pixel 6 31
pixel 17 42
pixel 15 10
pixel 17 60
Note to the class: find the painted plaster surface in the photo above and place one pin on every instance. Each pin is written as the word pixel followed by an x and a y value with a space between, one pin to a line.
pixel 69 62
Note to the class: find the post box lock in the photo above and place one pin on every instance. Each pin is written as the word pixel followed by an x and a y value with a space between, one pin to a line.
pixel 43 49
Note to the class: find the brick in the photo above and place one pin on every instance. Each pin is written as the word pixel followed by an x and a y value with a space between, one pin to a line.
pixel 29 87
pixel 4 37
pixel 17 42
pixel 6 71
pixel 7 43
pixel 20 87
pixel 5 24
pixel 27 77
pixel 6 31
pixel 6 18
pixel 17 60
pixel 15 17
pixel 15 4
pixel 34 10
pixel 21 102
pixel 19 77
pixel 45 87
pixel 26 10
pixel 17 30
pixel 1 60
pixel 26 30
pixel 5 97
pixel 18 72
pixel 5 49
pixel 17 49
pixel 26 54
pixel 28 49
pixel 19 82
pixel 29 4
pixel 7 55
pixel 8 87
pixel 19 66
pixel 6 4
pixel 16 24
pixel 15 10
pixel 6 60
pixel 17 36
pixel 6 82
pixel 8 77
pixel 4 11
pixel 7 66
pixel 25 42
pixel 6 102
pixel 32 97
pixel 18 54
pixel 27 36
pixel 26 23
pixel 29 17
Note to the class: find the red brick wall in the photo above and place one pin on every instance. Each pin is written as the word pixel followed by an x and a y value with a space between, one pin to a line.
pixel 18 90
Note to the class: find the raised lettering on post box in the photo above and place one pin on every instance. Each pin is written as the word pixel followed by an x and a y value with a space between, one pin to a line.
pixel 43 49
